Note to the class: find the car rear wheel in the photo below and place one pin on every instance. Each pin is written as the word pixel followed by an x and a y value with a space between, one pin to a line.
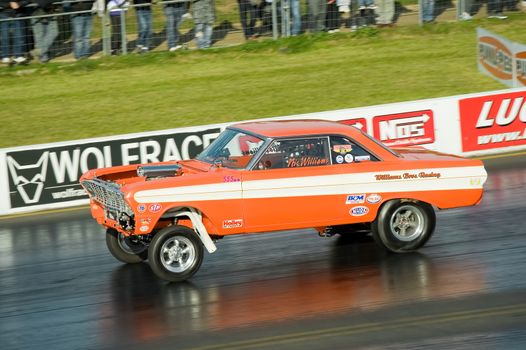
pixel 125 248
pixel 403 226
pixel 176 253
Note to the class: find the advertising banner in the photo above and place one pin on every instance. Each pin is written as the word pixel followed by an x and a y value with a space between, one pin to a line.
pixel 493 121
pixel 405 129
pixel 501 59
pixel 38 177
pixel 50 175
pixel 495 56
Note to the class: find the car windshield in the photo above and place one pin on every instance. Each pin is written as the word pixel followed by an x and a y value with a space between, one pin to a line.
pixel 232 149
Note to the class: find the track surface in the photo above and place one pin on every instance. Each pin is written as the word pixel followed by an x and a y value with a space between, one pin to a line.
pixel 61 289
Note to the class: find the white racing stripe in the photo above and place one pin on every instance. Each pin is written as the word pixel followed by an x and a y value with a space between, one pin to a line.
pixel 450 179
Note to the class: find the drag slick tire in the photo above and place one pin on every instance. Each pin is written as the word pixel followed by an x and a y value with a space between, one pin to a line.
pixel 125 249
pixel 175 253
pixel 403 226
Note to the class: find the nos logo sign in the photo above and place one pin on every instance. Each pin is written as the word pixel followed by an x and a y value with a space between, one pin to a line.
pixel 405 129
pixel 51 175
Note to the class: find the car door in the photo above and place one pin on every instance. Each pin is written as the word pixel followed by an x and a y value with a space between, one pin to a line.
pixel 283 189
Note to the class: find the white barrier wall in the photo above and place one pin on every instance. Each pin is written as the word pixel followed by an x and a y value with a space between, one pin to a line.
pixel 46 176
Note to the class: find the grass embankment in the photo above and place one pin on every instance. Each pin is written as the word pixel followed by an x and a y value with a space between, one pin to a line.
pixel 65 101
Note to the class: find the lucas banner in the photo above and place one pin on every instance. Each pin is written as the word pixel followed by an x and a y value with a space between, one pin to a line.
pixel 493 121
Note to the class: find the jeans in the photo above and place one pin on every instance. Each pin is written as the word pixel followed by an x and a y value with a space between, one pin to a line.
pixel 45 30
pixel 296 17
pixel 144 23
pixel 318 12
pixel 173 14
pixel 385 11
pixel 17 28
pixel 81 35
pixel 247 14
pixel 203 35
pixel 428 10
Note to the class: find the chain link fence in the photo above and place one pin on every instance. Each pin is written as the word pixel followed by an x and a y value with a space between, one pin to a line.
pixel 70 30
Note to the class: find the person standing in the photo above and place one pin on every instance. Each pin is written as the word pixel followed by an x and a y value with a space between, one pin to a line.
pixel 81 20
pixel 143 12
pixel 204 17
pixel 45 29
pixel 9 12
pixel 318 12
pixel 174 16
pixel 495 8
pixel 428 11
pixel 295 9
pixel 247 15
pixel 385 11
pixel 116 9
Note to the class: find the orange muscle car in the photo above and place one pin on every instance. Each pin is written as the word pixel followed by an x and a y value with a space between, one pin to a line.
pixel 277 175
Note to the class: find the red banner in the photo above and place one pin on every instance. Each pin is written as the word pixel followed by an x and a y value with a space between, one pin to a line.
pixel 493 121
pixel 405 129
pixel 359 123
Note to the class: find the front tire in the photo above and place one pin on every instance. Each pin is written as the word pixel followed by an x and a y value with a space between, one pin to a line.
pixel 124 248
pixel 176 253
pixel 403 226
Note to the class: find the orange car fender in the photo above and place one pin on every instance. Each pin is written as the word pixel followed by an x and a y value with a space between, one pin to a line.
pixel 198 225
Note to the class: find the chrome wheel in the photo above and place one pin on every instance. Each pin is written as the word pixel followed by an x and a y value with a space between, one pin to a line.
pixel 178 254
pixel 407 223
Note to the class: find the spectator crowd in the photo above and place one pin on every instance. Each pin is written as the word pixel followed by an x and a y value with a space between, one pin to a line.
pixel 29 28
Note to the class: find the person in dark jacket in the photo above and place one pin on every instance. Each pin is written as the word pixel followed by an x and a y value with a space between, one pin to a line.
pixel 45 28
pixel 81 20
pixel 10 25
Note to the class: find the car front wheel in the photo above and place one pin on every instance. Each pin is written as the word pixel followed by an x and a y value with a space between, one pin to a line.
pixel 125 249
pixel 403 226
pixel 175 253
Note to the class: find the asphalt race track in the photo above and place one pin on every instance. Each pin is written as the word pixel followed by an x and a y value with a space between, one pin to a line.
pixel 61 289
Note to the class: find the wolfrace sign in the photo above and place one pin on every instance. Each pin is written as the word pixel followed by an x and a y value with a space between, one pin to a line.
pixel 40 177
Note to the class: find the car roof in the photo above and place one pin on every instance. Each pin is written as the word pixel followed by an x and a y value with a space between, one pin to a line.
pixel 298 127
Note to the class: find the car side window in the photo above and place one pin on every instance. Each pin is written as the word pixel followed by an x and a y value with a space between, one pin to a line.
pixel 345 151
pixel 306 152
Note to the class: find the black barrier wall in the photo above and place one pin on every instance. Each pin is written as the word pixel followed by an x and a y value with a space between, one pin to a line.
pixel 50 175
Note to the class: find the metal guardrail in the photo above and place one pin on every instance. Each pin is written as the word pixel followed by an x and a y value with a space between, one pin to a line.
pixel 278 12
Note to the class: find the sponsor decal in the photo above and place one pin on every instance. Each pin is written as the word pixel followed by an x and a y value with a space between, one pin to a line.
pixel 349 158
pixel 355 199
pixel 374 198
pixel 362 158
pixel 475 182
pixel 50 175
pixel 495 57
pixel 359 211
pixel 144 228
pixel 407 176
pixel 339 159
pixel 231 178
pixel 232 223
pixel 306 161
pixel 359 123
pixel 145 221
pixel 141 208
pixel 405 129
pixel 154 208
pixel 342 149
pixel 493 121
